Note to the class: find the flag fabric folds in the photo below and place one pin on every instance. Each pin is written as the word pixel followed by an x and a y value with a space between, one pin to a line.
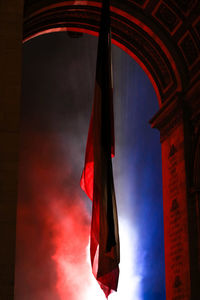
pixel 97 176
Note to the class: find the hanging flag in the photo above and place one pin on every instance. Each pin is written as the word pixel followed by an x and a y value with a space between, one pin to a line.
pixel 97 176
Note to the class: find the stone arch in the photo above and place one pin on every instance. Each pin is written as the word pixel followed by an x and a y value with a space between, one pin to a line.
pixel 164 37
pixel 147 30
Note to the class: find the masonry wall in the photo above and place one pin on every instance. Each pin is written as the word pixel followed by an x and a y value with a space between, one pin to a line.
pixel 11 15
pixel 177 257
pixel 179 131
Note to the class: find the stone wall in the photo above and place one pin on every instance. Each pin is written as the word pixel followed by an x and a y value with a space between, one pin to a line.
pixel 11 18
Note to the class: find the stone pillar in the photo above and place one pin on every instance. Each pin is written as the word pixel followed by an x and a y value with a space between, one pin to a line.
pixel 192 100
pixel 11 17
pixel 180 214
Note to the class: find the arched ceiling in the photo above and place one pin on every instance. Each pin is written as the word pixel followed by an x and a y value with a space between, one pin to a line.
pixel 162 36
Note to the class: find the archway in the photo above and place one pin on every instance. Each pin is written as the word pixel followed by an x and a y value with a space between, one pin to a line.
pixel 152 33
pixel 129 32
pixel 174 66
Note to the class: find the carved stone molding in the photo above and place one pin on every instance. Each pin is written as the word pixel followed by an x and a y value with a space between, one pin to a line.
pixel 168 117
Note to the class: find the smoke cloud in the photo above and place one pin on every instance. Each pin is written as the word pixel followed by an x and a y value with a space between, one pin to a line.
pixel 52 259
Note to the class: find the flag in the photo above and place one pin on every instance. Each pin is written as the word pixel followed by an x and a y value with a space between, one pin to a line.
pixel 97 176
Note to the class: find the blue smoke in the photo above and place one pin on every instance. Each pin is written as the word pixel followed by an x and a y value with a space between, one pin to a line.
pixel 138 171
pixel 57 95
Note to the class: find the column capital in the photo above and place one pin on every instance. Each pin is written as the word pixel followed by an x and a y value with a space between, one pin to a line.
pixel 169 116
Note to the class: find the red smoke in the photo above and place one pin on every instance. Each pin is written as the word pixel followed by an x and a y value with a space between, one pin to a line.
pixel 53 223
pixel 71 238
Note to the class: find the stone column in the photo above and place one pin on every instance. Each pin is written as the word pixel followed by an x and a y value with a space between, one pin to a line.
pixel 180 214
pixel 11 17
